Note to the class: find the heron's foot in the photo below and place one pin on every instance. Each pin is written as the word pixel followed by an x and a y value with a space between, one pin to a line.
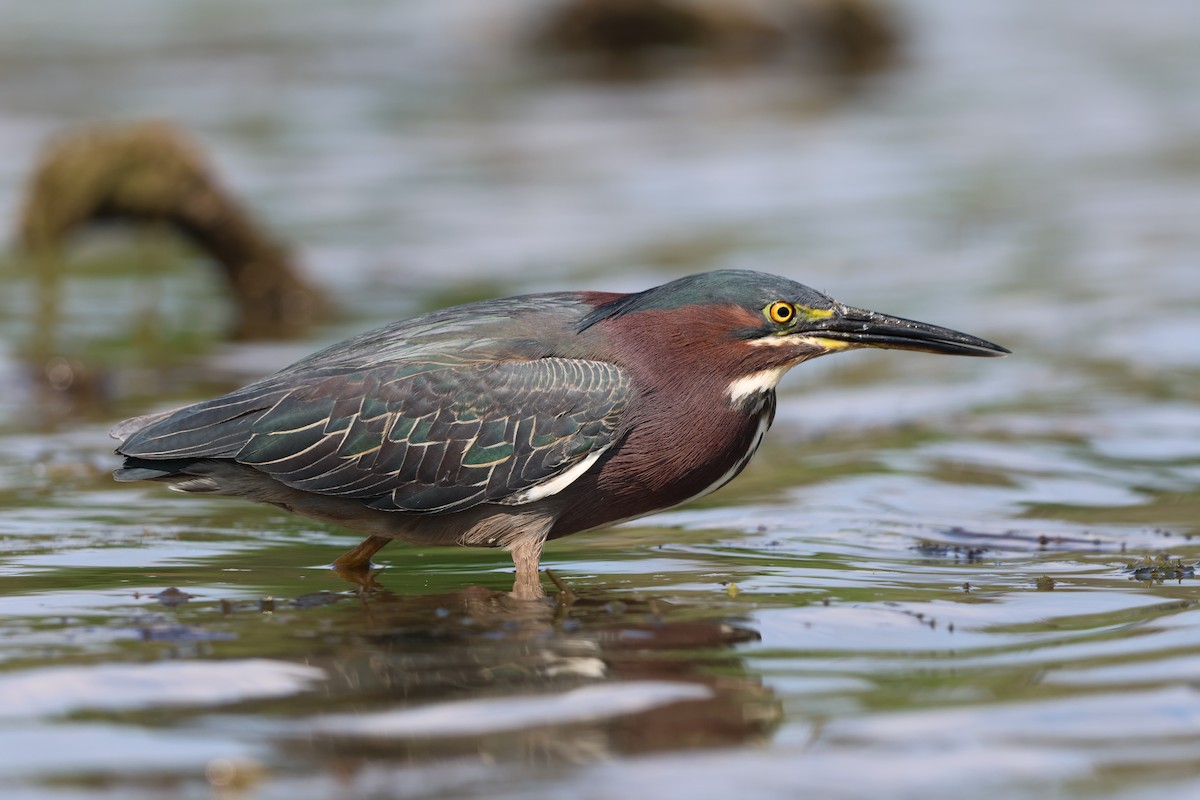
pixel 355 566
pixel 364 579
pixel 565 596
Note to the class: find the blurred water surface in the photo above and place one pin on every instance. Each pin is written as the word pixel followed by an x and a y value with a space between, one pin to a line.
pixel 940 577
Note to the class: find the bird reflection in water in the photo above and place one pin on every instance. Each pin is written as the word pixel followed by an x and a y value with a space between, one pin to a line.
pixel 480 672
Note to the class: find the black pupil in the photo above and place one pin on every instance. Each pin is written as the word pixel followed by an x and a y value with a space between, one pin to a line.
pixel 783 313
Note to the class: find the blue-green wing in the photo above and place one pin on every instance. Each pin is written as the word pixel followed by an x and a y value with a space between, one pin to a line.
pixel 430 436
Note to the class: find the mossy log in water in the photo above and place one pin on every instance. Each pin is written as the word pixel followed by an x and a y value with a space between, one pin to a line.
pixel 637 38
pixel 152 172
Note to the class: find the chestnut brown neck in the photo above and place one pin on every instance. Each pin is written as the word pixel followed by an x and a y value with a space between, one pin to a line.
pixel 693 353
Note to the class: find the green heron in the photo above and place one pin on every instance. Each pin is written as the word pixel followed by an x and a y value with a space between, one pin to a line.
pixel 510 422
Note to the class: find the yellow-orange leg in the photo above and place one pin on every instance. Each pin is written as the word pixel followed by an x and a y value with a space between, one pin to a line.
pixel 355 565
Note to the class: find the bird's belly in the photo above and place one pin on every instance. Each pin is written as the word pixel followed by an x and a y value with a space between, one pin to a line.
pixel 656 477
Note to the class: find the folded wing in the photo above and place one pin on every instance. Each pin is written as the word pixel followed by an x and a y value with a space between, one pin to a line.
pixel 435 436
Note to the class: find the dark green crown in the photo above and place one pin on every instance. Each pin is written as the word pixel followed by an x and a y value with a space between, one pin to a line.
pixel 740 287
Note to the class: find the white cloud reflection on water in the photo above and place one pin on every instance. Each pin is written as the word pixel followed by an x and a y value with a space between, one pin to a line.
pixel 51 691
pixel 491 715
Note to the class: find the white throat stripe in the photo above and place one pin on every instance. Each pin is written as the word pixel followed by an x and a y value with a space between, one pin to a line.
pixel 754 384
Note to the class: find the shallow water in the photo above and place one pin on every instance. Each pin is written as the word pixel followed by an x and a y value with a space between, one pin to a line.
pixel 939 577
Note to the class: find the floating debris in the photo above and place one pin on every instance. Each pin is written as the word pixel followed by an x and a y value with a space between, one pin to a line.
pixel 1161 568
pixel 959 552
pixel 622 39
pixel 172 597
pixel 1025 540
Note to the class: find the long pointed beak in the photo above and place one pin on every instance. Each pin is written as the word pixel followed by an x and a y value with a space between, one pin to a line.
pixel 858 327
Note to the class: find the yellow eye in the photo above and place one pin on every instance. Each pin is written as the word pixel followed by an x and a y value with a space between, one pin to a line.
pixel 781 313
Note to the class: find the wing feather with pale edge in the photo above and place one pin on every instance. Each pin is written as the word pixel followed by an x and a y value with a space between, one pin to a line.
pixel 420 437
